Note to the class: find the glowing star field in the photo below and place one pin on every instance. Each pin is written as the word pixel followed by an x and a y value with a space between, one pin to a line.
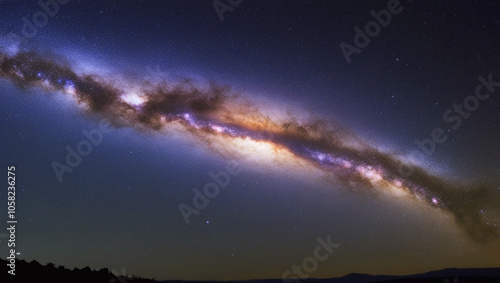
pixel 326 146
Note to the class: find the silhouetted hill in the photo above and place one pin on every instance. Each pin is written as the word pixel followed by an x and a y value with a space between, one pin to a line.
pixel 466 275
pixel 33 271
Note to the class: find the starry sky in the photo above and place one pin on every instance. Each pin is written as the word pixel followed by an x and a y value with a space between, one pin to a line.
pixel 392 153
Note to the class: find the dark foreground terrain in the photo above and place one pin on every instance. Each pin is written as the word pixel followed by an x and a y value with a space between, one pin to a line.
pixel 36 272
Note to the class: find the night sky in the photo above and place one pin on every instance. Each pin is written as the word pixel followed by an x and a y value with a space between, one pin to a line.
pixel 290 122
